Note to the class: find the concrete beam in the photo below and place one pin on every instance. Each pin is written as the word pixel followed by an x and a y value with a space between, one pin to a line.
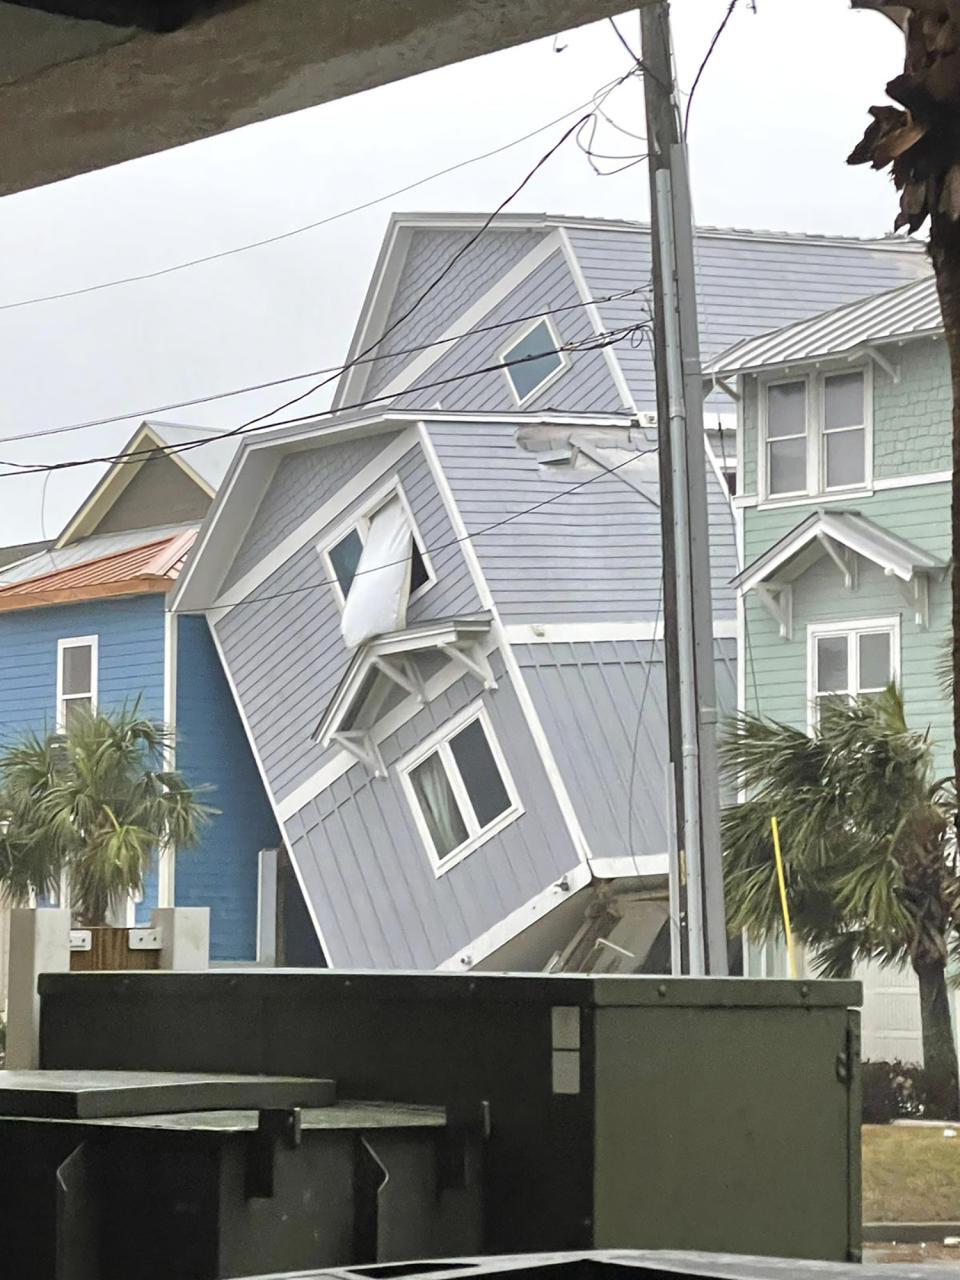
pixel 77 96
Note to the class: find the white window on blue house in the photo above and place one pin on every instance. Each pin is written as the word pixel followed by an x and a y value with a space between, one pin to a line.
pixel 532 360
pixel 459 788
pixel 77 675
pixel 816 434
pixel 851 658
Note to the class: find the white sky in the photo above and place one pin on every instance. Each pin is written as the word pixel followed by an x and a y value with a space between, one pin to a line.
pixel 781 104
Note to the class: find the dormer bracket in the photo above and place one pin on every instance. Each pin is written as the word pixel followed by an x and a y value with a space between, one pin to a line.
pixel 843 558
pixel 778 602
pixel 880 360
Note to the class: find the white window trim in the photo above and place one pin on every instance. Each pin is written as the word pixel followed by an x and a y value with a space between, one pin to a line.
pixel 851 628
pixel 77 642
pixel 437 740
pixel 816 436
pixel 360 520
pixel 518 337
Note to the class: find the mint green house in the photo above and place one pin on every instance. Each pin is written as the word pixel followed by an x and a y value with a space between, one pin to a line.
pixel 843 534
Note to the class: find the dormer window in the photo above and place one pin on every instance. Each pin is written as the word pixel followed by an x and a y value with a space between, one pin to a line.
pixel 816 435
pixel 532 360
pixel 376 566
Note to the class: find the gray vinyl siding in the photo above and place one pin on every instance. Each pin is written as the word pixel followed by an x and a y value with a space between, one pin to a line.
pixel 613 759
pixel 585 387
pixel 286 653
pixel 590 554
pixel 430 251
pixel 745 286
pixel 302 483
pixel 369 877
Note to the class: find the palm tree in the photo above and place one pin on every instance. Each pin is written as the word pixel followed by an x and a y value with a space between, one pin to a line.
pixel 919 141
pixel 91 805
pixel 870 852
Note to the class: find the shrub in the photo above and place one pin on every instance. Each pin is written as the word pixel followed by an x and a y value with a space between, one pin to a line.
pixel 893 1091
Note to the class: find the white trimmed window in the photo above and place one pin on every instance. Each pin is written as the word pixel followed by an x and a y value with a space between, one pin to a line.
pixel 816 434
pixel 851 658
pixel 532 360
pixel 459 788
pixel 77 663
pixel 342 552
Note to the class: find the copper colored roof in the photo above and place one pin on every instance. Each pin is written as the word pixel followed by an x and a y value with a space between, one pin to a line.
pixel 153 566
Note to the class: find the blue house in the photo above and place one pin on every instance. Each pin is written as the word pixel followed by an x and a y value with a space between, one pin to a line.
pixel 84 623
pixel 440 608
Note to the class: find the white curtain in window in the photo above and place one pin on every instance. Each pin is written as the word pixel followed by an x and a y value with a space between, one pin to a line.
pixel 378 596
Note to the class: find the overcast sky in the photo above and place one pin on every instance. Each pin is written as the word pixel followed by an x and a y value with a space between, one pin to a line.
pixel 781 104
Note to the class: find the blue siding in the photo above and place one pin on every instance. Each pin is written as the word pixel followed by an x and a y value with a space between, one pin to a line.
pixel 130 643
pixel 212 750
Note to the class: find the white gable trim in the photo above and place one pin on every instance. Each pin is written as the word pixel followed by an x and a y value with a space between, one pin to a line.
pixel 593 313
pixel 514 674
pixel 470 318
pixel 384 463
pixel 373 313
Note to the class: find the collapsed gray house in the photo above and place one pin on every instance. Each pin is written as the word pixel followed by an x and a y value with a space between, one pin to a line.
pixel 440 608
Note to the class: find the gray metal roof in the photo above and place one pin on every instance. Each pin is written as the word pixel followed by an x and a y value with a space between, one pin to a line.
pixel 910 311
pixel 101 544
pixel 894 554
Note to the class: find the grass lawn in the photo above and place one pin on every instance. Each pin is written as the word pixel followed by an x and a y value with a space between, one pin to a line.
pixel 910 1174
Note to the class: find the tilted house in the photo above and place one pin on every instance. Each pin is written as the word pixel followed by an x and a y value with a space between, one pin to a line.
pixel 440 609
pixel 843 519
pixel 84 624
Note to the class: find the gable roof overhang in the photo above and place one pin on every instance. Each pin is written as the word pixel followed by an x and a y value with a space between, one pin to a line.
pixel 389 656
pixel 842 536
pixel 145 443
pixel 855 330
pixel 148 568
pixel 253 466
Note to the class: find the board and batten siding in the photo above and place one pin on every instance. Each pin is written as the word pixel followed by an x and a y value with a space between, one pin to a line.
pixel 776 669
pixel 430 253
pixel 213 754
pixel 585 387
pixel 302 482
pixel 604 708
pixel 369 876
pixel 285 651
pixel 590 554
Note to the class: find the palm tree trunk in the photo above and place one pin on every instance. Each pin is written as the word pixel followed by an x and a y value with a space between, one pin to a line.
pixel 945 252
pixel 939 1047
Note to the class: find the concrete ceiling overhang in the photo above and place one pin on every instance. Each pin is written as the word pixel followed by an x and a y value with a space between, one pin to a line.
pixel 77 94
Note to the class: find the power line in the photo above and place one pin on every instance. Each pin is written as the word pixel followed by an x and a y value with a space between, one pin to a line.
pixel 596 342
pixel 453 542
pixel 314 373
pixel 706 58
pixel 441 276
pixel 309 226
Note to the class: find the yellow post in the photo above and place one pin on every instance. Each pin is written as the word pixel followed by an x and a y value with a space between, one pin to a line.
pixel 791 954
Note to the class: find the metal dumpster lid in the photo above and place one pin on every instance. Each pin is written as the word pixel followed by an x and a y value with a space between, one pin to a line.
pixel 92 1095
pixel 585 989
pixel 641 1264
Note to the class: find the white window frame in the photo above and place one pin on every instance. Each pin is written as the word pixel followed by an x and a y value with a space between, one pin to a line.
pixel 852 628
pixel 816 486
pixel 439 741
pixel 360 520
pixel 518 337
pixel 77 642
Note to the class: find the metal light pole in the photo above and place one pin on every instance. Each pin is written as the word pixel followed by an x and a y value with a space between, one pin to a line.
pixel 688 609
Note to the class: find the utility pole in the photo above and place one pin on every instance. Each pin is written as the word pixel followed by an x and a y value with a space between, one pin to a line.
pixel 688 608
